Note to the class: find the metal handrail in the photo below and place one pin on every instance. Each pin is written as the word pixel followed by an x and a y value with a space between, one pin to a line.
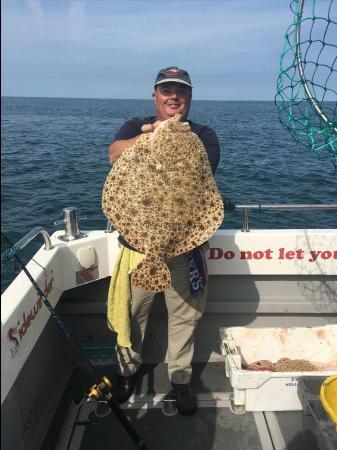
pixel 229 206
pixel 25 240
pixel 281 207
pixel 31 235
pixel 109 227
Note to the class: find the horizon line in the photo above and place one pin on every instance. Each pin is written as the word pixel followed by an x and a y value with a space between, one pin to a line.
pixel 138 99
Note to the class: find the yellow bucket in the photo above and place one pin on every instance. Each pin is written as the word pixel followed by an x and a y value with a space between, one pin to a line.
pixel 328 397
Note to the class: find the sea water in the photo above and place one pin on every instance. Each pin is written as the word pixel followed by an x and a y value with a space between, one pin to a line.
pixel 55 155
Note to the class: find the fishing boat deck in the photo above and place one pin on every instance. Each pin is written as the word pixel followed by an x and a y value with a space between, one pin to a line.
pixel 90 425
pixel 42 382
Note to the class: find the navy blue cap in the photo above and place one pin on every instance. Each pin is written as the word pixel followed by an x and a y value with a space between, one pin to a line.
pixel 173 74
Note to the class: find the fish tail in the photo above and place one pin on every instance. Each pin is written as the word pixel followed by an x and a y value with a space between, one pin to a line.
pixel 151 274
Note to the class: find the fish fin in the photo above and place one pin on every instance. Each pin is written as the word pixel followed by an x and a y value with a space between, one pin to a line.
pixel 151 274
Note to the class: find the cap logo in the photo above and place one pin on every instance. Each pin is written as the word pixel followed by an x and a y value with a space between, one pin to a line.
pixel 175 73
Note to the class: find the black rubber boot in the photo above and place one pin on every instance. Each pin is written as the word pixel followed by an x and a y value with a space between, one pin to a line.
pixel 186 399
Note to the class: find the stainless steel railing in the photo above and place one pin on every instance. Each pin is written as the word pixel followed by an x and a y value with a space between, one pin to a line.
pixel 229 206
pixel 25 240
pixel 280 207
pixel 20 244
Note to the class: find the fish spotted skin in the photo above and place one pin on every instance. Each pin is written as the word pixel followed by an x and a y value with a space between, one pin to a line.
pixel 161 196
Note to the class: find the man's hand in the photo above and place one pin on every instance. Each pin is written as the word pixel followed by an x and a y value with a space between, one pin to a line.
pixel 149 127
pixel 118 147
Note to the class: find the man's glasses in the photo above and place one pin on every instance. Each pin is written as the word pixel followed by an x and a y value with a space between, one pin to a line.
pixel 169 90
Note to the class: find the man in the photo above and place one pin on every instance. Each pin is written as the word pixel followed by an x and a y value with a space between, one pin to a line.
pixel 172 95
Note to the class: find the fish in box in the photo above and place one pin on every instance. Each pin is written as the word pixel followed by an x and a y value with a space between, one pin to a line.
pixel 265 364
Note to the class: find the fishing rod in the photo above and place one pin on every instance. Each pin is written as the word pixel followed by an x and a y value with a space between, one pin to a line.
pixel 102 387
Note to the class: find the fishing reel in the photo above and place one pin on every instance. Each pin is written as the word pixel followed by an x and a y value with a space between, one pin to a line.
pixel 99 390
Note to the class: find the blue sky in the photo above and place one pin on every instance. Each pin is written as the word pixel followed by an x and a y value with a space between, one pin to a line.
pixel 113 49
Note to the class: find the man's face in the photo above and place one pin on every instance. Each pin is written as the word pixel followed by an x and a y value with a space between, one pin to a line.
pixel 172 98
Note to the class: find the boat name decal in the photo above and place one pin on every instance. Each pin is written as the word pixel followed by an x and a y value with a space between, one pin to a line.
pixel 17 333
pixel 280 254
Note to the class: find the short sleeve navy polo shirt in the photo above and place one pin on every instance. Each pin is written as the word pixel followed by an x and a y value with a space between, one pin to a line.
pixel 132 128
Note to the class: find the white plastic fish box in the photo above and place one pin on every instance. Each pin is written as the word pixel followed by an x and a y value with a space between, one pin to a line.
pixel 268 390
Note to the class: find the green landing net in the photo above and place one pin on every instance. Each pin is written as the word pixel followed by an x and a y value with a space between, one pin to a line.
pixel 306 96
